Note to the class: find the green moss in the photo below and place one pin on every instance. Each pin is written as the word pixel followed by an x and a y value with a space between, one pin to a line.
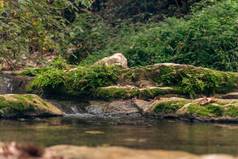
pixel 57 64
pixel 210 110
pixel 32 72
pixel 25 105
pixel 169 106
pixel 50 81
pixel 188 80
pixel 119 92
pixel 80 81
pixel 116 92
pixel 193 81
pixel 231 111
pixel 219 108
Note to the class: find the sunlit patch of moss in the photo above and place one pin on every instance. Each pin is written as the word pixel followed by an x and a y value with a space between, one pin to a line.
pixel 231 111
pixel 14 105
pixel 210 110
pixel 218 108
pixel 169 106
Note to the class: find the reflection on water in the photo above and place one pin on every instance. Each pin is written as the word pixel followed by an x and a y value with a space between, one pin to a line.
pixel 169 135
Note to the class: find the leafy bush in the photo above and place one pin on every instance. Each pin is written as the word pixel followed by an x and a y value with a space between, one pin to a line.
pixel 33 26
pixel 59 64
pixel 81 81
pixel 88 33
pixel 50 81
pixel 115 12
pixel 207 38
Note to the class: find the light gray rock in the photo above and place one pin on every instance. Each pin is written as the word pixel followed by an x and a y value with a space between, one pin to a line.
pixel 116 59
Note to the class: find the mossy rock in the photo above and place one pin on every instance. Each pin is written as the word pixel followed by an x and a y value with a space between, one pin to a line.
pixel 169 105
pixel 26 105
pixel 188 80
pixel 201 109
pixel 127 92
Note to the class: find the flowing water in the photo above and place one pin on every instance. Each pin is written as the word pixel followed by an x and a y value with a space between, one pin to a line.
pixel 84 130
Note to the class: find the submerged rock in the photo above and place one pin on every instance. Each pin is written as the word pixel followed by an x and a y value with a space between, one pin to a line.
pixel 26 105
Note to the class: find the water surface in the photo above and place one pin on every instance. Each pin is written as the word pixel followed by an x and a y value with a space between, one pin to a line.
pixel 169 135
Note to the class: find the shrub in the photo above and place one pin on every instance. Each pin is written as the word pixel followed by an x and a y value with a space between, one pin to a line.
pixel 88 33
pixel 50 81
pixel 207 38
pixel 81 81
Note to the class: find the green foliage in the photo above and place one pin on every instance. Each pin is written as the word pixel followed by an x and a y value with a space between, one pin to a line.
pixel 170 79
pixel 88 33
pixel 133 11
pixel 232 111
pixel 87 79
pixel 50 81
pixel 81 81
pixel 33 26
pixel 136 55
pixel 58 63
pixel 207 38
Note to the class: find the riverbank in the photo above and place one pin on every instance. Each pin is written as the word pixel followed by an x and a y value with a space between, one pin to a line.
pixel 158 91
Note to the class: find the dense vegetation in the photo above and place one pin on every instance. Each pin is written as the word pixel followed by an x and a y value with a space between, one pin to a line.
pixel 60 40
pixel 36 27
pixel 198 32
pixel 206 38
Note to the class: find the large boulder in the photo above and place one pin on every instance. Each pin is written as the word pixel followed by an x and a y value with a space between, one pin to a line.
pixel 116 59
pixel 26 105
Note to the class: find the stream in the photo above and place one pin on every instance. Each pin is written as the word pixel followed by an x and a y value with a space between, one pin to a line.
pixel 78 128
